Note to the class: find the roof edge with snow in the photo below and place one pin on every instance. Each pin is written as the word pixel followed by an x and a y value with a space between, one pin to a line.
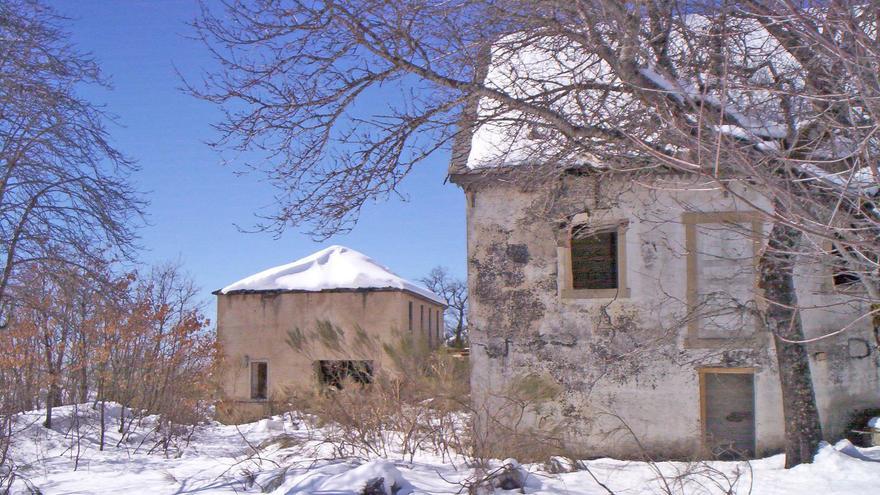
pixel 238 292
pixel 333 269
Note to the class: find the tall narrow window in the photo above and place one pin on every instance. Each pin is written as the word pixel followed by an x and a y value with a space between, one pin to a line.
pixel 439 324
pixel 410 316
pixel 593 259
pixel 430 335
pixel 421 317
pixel 259 380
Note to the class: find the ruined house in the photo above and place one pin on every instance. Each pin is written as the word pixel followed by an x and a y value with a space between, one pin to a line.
pixel 612 314
pixel 635 309
pixel 314 323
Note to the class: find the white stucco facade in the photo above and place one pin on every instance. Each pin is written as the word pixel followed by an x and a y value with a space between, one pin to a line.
pixel 627 366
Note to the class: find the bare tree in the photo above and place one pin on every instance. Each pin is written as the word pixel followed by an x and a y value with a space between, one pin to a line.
pixel 455 293
pixel 138 340
pixel 51 306
pixel 776 94
pixel 65 203
pixel 64 194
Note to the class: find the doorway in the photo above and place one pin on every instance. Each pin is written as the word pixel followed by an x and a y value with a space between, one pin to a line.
pixel 727 403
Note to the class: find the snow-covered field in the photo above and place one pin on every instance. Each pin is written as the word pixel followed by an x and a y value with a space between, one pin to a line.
pixel 285 456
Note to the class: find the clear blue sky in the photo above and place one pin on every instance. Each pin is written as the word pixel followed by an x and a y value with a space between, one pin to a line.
pixel 196 201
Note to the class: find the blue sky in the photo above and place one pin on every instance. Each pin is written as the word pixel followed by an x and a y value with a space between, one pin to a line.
pixel 197 201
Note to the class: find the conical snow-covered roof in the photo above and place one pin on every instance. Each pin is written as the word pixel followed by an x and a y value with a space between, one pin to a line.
pixel 335 267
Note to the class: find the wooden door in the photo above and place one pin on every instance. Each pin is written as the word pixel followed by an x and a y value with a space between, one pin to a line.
pixel 728 412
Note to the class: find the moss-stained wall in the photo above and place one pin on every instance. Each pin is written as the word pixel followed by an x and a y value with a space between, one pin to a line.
pixel 623 364
pixel 264 327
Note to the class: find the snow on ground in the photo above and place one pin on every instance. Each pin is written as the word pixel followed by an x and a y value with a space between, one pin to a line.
pixel 283 455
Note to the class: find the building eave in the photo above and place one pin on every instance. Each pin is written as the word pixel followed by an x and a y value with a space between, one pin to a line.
pixel 219 292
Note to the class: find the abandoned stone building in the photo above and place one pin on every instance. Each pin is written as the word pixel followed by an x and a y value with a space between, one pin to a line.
pixel 629 301
pixel 262 321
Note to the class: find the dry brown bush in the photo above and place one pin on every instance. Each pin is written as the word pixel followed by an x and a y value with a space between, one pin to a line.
pixel 418 399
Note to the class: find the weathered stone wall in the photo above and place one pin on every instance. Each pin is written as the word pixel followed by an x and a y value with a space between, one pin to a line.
pixel 624 360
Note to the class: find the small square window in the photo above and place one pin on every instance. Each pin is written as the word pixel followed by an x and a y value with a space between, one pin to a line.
pixel 593 259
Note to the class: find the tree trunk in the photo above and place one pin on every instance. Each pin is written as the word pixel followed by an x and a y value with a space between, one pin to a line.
pixel 459 330
pixel 103 423
pixel 83 384
pixel 803 431
pixel 50 401
pixel 53 398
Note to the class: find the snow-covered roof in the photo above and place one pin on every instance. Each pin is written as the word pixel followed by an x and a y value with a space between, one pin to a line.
pixel 535 70
pixel 858 182
pixel 335 267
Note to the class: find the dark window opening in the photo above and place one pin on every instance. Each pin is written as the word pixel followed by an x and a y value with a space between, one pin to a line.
pixel 421 317
pixel 336 373
pixel 842 277
pixel 259 380
pixel 410 316
pixel 593 259
pixel 430 335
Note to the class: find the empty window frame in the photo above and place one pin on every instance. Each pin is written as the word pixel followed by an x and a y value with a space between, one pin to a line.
pixel 421 317
pixel 410 316
pixel 259 380
pixel 841 276
pixel 594 262
pixel 335 373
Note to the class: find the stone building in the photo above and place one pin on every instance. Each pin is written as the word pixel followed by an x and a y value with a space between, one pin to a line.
pixel 261 321
pixel 629 303
pixel 612 312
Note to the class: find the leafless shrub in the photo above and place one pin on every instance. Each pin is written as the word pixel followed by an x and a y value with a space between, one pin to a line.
pixel 682 477
pixel 416 401
pixel 520 421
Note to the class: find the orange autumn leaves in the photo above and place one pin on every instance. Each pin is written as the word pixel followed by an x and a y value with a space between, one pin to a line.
pixel 140 339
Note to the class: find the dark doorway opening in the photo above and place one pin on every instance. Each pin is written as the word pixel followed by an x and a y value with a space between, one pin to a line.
pixel 259 380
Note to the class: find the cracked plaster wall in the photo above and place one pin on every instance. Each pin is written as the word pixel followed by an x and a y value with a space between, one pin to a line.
pixel 624 359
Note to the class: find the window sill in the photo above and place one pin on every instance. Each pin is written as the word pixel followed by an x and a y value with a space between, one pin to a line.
pixel 756 340
pixel 842 290
pixel 595 293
